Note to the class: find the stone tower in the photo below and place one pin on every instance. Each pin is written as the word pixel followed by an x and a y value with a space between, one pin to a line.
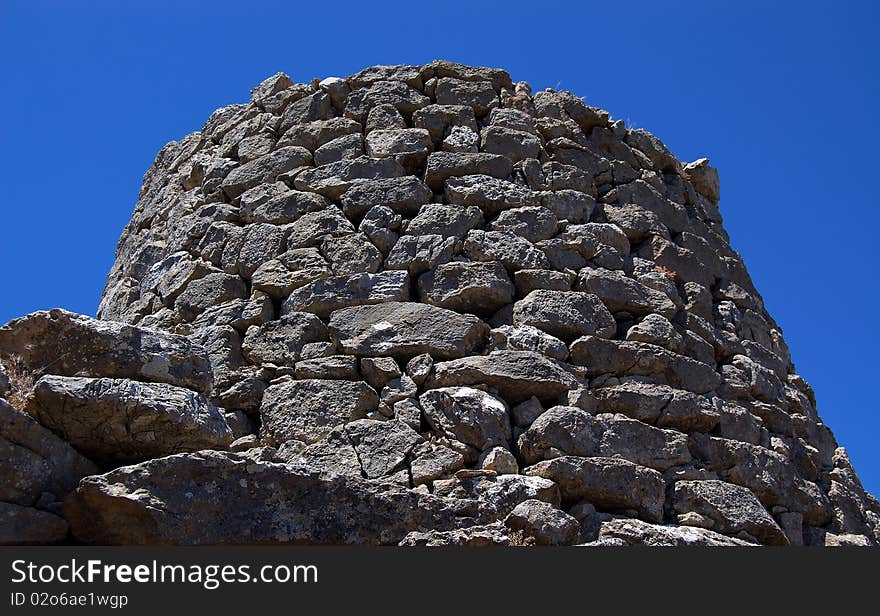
pixel 440 309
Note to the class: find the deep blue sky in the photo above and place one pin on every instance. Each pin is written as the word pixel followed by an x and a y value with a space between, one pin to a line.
pixel 782 97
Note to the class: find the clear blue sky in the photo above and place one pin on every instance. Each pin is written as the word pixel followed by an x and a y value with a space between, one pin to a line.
pixel 782 96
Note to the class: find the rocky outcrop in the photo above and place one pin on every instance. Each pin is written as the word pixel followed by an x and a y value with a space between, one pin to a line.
pixel 431 308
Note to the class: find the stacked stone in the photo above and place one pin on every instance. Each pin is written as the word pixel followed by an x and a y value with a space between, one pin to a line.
pixel 473 315
pixel 105 394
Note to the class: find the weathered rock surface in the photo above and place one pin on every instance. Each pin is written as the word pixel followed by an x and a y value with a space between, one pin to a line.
pixel 467 287
pixel 120 420
pixel 601 356
pixel 561 430
pixel 540 523
pixel 445 220
pixel 404 195
pixel 660 405
pixel 623 532
pixel 444 165
pixel 29 526
pixel 68 344
pixel 731 509
pixel 34 461
pixel 210 498
pixel 497 496
pixel 468 415
pixel 306 410
pixel 325 295
pixel 512 251
pixel 333 179
pixel 566 430
pixel 517 375
pixel 527 338
pixel 564 314
pixel 475 536
pixel 489 193
pixel 611 483
pixel 282 341
pixel 406 330
pixel 619 292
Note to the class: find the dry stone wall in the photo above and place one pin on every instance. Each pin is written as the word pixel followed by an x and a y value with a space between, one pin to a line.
pixel 440 309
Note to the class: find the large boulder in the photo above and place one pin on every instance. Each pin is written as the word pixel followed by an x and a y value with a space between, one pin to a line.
pixel 660 405
pixel 732 509
pixel 527 338
pixel 514 144
pixel 511 250
pixel 406 329
pixel 307 409
pixel 211 498
pixel 468 415
pixel 409 146
pixel 497 496
pixel 403 97
pixel 333 179
pixel 632 440
pixel 517 375
pixel 382 447
pixel 34 462
pixel 277 204
pixel 489 193
pixel 444 165
pixel 325 295
pixel 601 356
pixel 480 95
pixel 363 448
pixel 479 288
pixel 63 343
pixel 404 195
pixel 624 532
pixel 619 292
pixel 608 483
pixel 418 253
pixel 29 526
pixel 281 341
pixel 561 430
pixel 566 430
pixel 539 523
pixel 120 420
pixel 445 220
pixel 565 314
pixel 264 169
pixel 531 222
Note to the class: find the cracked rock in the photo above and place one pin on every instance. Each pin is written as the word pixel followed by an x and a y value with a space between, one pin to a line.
pixel 119 420
pixel 306 410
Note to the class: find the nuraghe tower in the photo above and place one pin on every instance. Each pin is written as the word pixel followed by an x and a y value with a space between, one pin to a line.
pixel 439 308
